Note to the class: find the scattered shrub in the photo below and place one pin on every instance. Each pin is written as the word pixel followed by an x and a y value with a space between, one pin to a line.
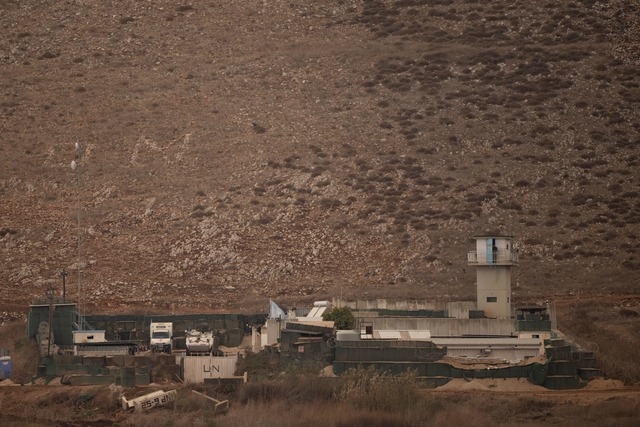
pixel 341 316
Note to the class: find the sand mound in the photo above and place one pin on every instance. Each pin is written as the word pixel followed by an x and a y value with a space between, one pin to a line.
pixel 602 384
pixel 55 382
pixel 327 372
pixel 484 362
pixel 500 384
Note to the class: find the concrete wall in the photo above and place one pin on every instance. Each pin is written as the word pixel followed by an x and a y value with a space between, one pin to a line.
pixel 542 335
pixel 460 309
pixel 494 281
pixel 443 327
pixel 270 332
pixel 457 309
pixel 389 304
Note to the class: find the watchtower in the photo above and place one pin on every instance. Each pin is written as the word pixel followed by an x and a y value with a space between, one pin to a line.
pixel 494 256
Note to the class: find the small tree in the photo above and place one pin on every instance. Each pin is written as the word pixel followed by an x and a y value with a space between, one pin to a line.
pixel 341 316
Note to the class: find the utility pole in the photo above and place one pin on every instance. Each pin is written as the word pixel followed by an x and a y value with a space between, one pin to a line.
pixel 50 295
pixel 75 166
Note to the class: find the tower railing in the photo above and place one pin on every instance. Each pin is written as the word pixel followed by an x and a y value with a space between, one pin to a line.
pixel 499 257
pixel 80 323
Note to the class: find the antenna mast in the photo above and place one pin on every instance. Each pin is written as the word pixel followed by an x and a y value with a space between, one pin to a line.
pixel 75 166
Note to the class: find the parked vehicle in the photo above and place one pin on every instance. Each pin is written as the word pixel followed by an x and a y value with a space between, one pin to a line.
pixel 199 342
pixel 161 337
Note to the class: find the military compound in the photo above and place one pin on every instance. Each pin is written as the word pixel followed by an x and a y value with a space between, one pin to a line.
pixel 438 341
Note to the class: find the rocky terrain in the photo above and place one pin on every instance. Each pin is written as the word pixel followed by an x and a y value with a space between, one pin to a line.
pixel 234 151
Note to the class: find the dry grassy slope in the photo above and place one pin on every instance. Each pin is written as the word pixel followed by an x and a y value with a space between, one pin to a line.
pixel 240 150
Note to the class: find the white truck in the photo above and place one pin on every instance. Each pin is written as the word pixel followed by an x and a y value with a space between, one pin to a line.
pixel 161 337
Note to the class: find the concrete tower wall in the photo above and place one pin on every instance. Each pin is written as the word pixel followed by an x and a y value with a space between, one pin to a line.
pixel 493 257
pixel 494 291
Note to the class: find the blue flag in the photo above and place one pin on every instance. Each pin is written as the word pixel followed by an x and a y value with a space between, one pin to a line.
pixel 275 312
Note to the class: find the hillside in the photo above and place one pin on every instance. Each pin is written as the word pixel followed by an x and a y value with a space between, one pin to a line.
pixel 233 151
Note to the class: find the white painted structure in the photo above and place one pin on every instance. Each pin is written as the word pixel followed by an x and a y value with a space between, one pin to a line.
pixel 199 368
pixel 538 335
pixel 398 335
pixel 88 337
pixel 88 343
pixel 270 332
pixel 494 258
pixel 315 315
pixel 441 327
pixel 148 401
